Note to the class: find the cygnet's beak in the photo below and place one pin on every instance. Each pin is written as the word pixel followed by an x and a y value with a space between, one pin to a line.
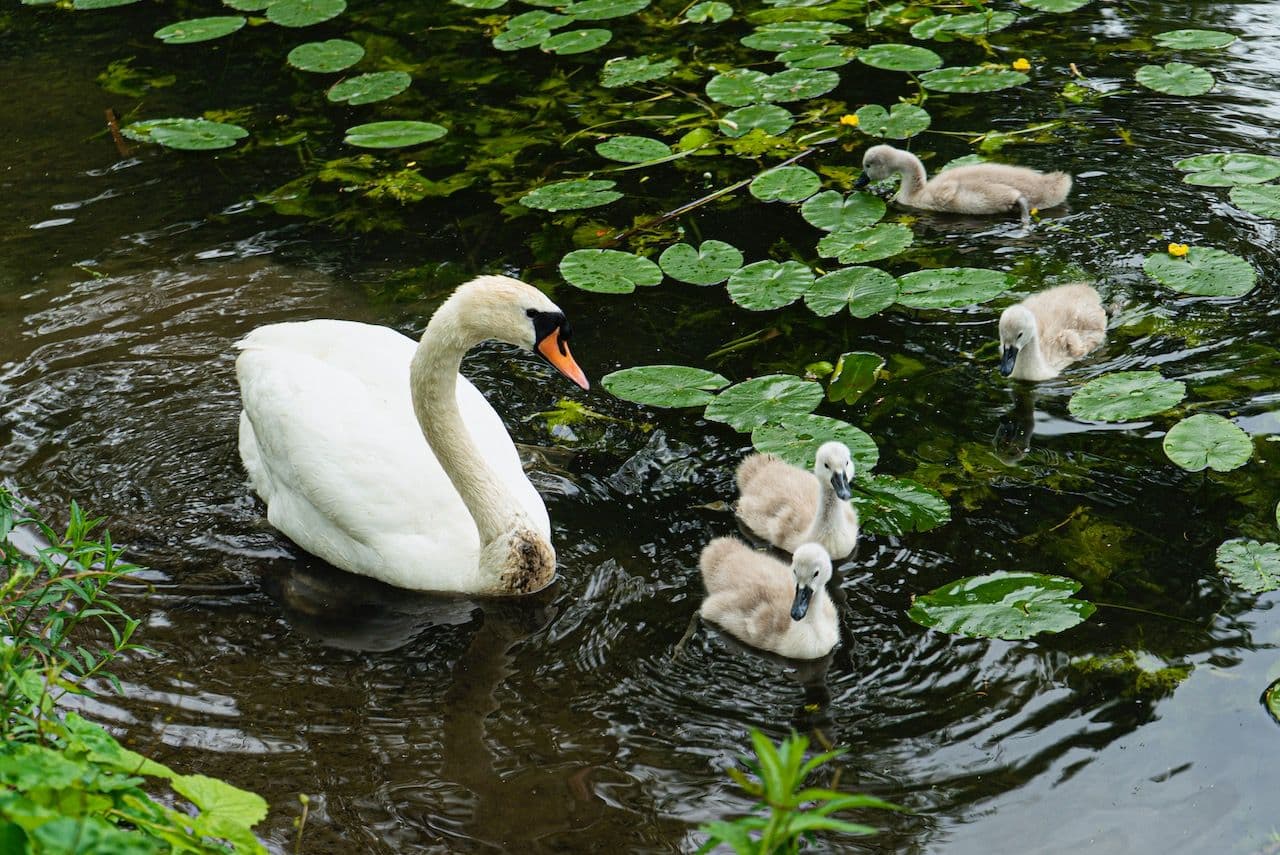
pixel 863 180
pixel 555 350
pixel 800 606
pixel 840 484
pixel 1007 360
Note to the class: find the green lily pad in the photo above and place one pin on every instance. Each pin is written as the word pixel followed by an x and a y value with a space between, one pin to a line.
pixel 1261 201
pixel 1271 700
pixel 973 78
pixel 863 290
pixel 1175 78
pixel 709 264
pixel 1058 7
pixel 304 13
pixel 608 271
pixel 1203 272
pixel 576 41
pixel 785 184
pixel 602 10
pixel 899 123
pixel 1125 395
pixel 529 29
pixel 326 57
pixel 946 27
pixel 896 506
pixel 480 4
pixel 817 56
pixel 951 287
pixel 1011 606
pixel 862 245
pixel 186 134
pixel 200 29
pixel 737 87
pixel 833 212
pixel 1209 441
pixel 789 34
pixel 248 5
pixel 796 439
pixel 664 385
pixel 893 57
pixel 1194 39
pixel 628 71
pixel 629 149
pixel 746 406
pixel 393 134
pixel 769 284
pixel 854 374
pixel 90 5
pixel 572 195
pixel 799 84
pixel 1251 564
pixel 1227 169
pixel 368 88
pixel 715 12
pixel 770 118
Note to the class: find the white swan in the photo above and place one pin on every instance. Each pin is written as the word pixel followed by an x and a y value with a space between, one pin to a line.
pixel 788 506
pixel 1048 331
pixel 335 414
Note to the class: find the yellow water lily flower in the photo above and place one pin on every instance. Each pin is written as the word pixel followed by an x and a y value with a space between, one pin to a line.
pixel 849 119
pixel 1177 250
pixel 1022 64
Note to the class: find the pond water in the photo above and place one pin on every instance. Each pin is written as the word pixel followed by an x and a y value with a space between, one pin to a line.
pixel 561 722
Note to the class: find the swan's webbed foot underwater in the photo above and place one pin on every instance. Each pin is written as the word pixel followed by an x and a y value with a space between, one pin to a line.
pixel 678 650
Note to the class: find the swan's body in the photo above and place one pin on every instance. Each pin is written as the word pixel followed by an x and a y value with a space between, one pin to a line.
pixel 760 601
pixel 982 188
pixel 374 454
pixel 788 506
pixel 1048 331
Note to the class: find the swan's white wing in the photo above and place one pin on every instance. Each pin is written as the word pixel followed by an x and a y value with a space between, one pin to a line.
pixel 332 446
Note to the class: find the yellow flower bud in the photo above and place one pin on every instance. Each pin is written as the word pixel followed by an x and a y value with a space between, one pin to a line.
pixel 1178 250
pixel 849 119
pixel 1021 64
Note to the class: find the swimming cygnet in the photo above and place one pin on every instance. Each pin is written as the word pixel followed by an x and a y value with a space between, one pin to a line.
pixel 981 188
pixel 788 506
pixel 1048 331
pixel 759 601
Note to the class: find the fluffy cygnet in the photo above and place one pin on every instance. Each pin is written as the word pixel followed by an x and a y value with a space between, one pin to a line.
pixel 1048 331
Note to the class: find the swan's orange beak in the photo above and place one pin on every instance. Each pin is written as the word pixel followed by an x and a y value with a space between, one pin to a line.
pixel 556 351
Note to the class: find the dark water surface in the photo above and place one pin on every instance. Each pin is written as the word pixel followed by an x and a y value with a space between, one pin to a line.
pixel 561 722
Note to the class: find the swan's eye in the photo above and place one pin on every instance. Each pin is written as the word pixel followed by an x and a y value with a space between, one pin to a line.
pixel 531 313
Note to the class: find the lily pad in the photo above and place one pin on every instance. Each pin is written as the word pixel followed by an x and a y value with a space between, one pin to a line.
pixel 709 264
pixel 326 57
pixel 393 134
pixel 304 13
pixel 972 78
pixel 1204 272
pixel 899 123
pixel 893 57
pixel 572 195
pixel 1227 169
pixel 1253 565
pixel 947 27
pixel 817 56
pixel 479 4
pixel 186 134
pixel 863 290
pixel 748 405
pixel 737 87
pixel 799 84
pixel 862 245
pixel 855 373
pixel 770 118
pixel 576 41
pixel 628 71
pixel 1260 201
pixel 796 439
pixel 1059 7
pixel 608 271
pixel 368 88
pixel 951 287
pixel 629 149
pixel 1002 605
pixel 1175 78
pixel 896 506
pixel 200 29
pixel 664 385
pixel 769 284
pixel 89 5
pixel 1194 39
pixel 602 10
pixel 789 34
pixel 785 184
pixel 1208 441
pixel 832 212
pixel 715 12
pixel 1125 395
pixel 1271 700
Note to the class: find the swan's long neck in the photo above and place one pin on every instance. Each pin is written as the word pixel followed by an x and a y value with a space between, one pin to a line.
pixel 913 176
pixel 1031 364
pixel 829 522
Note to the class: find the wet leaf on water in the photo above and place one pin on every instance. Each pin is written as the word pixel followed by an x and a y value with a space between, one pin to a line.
pixel 89 5
pixel 186 134
pixel 737 87
pixel 325 57
pixel 951 287
pixel 608 271
pixel 785 184
pixel 1059 7
pixel 1260 201
pixel 572 195
pixel 715 12
pixel 1227 169
pixel 799 84
pixel 896 506
pixel 304 13
pixel 831 211
pixel 1194 39
pixel 796 440
pixel 529 29
pixel 1011 606
pixel 770 118
pixel 199 29
pixel 944 27
pixel 221 802
pixel 899 123
pixel 974 78
pixel 855 373
pixel 752 403
pixel 248 5
pixel 1209 441
pixel 625 71
pixel 817 56
pixel 863 290
pixel 709 264
pixel 784 36
pixel 602 10
pixel 1175 78
pixel 1125 395
pixel 481 4
pixel 630 149
pixel 1271 700
pixel 769 284
pixel 393 134
pixel 1253 565
pixel 576 41
pixel 893 57
pixel 664 385
pixel 862 245
pixel 1203 272
pixel 369 88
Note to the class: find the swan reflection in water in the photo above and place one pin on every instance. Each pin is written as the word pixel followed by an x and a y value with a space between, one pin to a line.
pixel 1012 440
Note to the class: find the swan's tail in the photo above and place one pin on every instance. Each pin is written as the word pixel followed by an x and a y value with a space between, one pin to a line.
pixel 1057 189
pixel 751 468
pixel 716 563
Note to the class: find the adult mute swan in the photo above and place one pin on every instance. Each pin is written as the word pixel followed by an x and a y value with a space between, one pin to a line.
pixel 1048 331
pixel 788 506
pixel 335 414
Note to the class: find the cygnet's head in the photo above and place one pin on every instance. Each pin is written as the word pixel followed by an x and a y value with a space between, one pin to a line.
pixel 834 466
pixel 878 163
pixel 811 566
pixel 1017 330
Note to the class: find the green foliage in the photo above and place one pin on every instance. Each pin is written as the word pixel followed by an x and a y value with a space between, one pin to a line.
pixel 304 13
pixel 894 57
pixel 393 134
pixel 1194 39
pixel 1252 565
pixel 975 78
pixel 1227 169
pixel 832 212
pixel 369 88
pixel 1125 395
pixel 1002 605
pixel 632 149
pixel 1131 674
pixel 769 284
pixel 608 271
pixel 785 184
pixel 769 118
pixel 863 290
pixel 1204 272
pixel 946 27
pixel 629 71
pixel 574 194
pixel 1059 7
pixel 186 134
pixel 951 287
pixel 896 506
pixel 1262 201
pixel 200 29
pixel 325 57
pixel 664 385
pixel 899 123
pixel 1208 441
pixel 1175 78
pixel 714 12
pixel 576 41
pixel 854 374
pixel 710 264
pixel 796 438
pixel 858 246
pixel 754 402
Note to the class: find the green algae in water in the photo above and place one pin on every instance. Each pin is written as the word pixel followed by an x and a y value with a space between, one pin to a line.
pixel 1130 673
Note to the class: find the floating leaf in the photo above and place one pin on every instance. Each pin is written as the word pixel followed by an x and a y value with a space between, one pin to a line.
pixel 899 123
pixel 893 57
pixel 817 56
pixel 572 195
pixel 368 88
pixel 1175 78
pixel 664 385
pixel 1252 565
pixel 951 287
pixel 799 84
pixel 1271 700
pixel 89 5
pixel 771 119
pixel 623 71
pixel 855 373
pixel 715 12
pixel 629 149
pixel 864 290
pixel 796 439
pixel 1194 39
pixel 1059 7
pixel 709 264
pixel 576 41
pixel 325 57
pixel 1002 605
pixel 529 29
pixel 479 4
pixel 752 403
pixel 862 245
pixel 199 29
pixel 945 27
pixel 896 506
pixel 304 13
pixel 1203 272
pixel 1226 169
pixel 220 802
pixel 737 87
pixel 608 271
pixel 602 10
pixel 1125 395
pixel 769 284
pixel 784 36
pixel 1261 201
pixel 974 78
pixel 785 184
pixel 831 212
pixel 186 134
pixel 1209 441
pixel 393 134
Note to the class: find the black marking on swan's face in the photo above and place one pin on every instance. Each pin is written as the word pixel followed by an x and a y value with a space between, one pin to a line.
pixel 546 323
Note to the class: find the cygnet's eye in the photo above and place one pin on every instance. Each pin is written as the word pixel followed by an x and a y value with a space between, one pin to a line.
pixel 531 313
